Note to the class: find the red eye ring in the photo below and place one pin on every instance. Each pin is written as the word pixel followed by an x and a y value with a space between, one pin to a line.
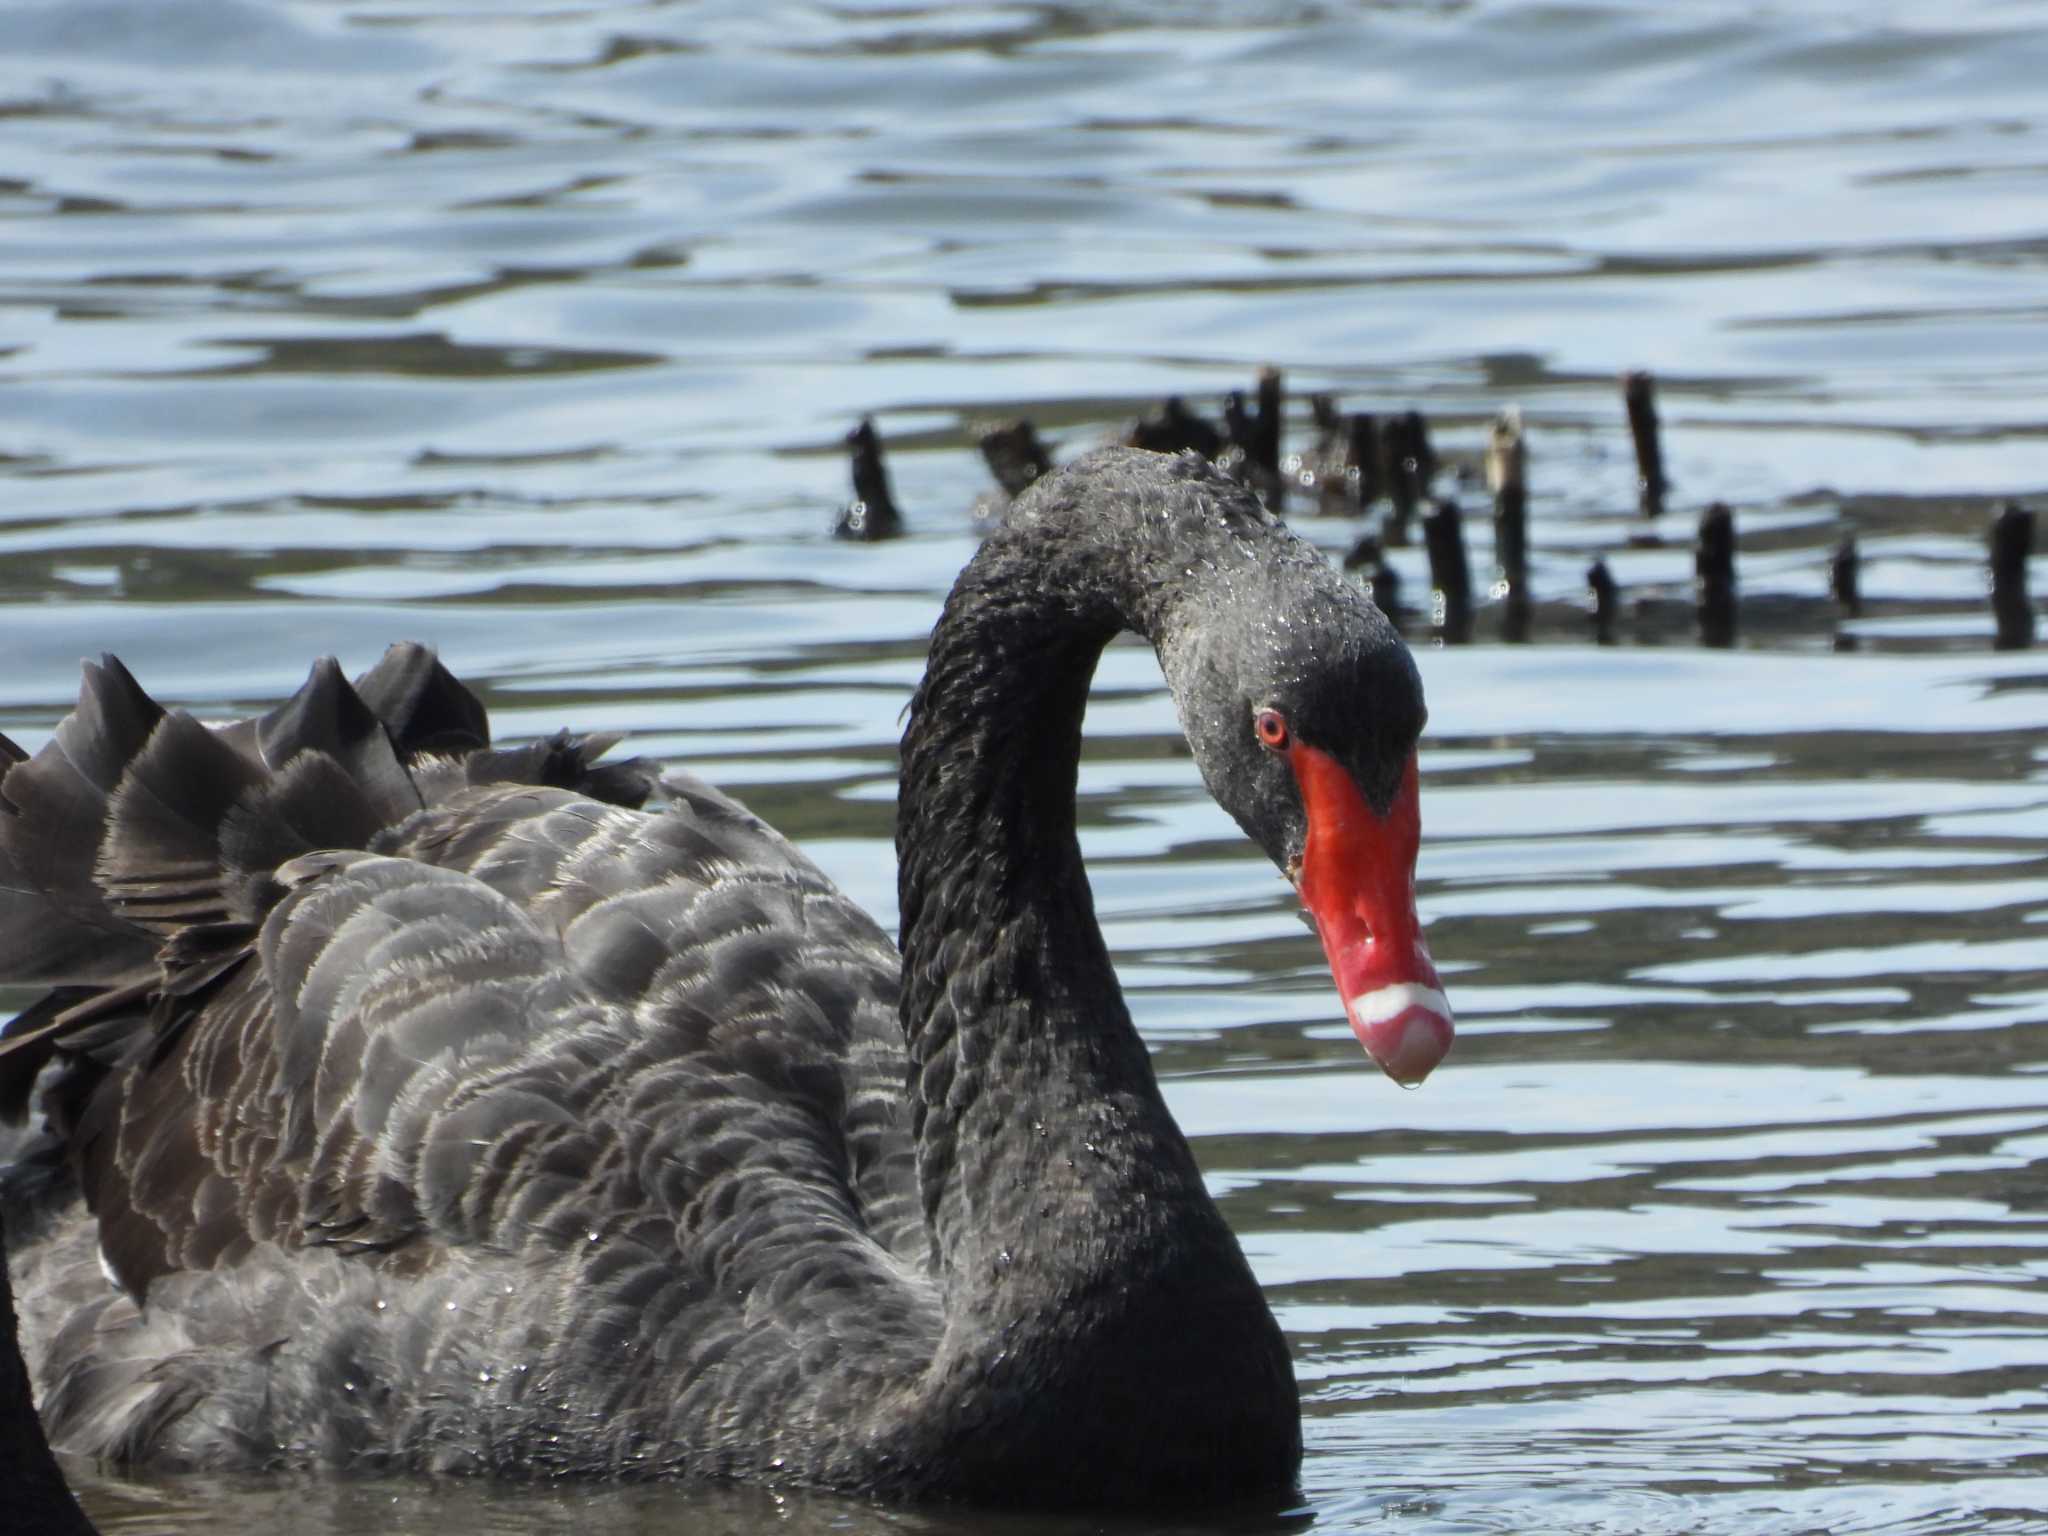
pixel 1271 728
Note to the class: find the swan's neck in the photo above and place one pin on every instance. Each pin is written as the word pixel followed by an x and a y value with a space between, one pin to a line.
pixel 1101 1321
pixel 1038 1108
pixel 1048 1161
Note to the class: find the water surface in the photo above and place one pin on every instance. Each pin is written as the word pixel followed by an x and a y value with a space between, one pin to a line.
pixel 532 331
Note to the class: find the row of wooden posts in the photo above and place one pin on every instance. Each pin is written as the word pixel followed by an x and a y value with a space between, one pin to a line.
pixel 1360 461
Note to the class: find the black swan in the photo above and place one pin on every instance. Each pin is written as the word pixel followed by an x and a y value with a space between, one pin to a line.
pixel 434 1107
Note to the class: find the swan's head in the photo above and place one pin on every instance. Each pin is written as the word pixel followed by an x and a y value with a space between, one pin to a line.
pixel 1304 709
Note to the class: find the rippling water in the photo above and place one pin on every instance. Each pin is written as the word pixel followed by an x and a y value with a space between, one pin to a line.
pixel 532 331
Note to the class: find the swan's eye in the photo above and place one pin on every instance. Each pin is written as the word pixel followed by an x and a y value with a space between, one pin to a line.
pixel 1272 728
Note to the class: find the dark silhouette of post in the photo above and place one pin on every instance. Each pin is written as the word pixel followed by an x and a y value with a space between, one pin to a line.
pixel 1715 588
pixel 1606 601
pixel 1175 429
pixel 1240 430
pixel 1251 455
pixel 2012 540
pixel 1014 455
pixel 872 513
pixel 1443 531
pixel 1845 578
pixel 1639 394
pixel 1268 424
pixel 1411 463
pixel 1363 459
pixel 1845 585
pixel 1382 582
pixel 1507 476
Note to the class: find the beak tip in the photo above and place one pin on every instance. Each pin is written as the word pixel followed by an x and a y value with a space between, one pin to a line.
pixel 1407 1035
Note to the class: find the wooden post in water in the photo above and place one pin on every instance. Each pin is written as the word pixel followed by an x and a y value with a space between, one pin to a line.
pixel 1606 601
pixel 1714 561
pixel 2012 540
pixel 1325 467
pixel 1426 464
pixel 1507 472
pixel 1382 582
pixel 1239 431
pixel 1014 455
pixel 872 514
pixel 1639 394
pixel 1363 457
pixel 1246 457
pixel 1330 468
pixel 1174 429
pixel 1410 464
pixel 1845 583
pixel 1443 531
pixel 1268 424
pixel 1845 578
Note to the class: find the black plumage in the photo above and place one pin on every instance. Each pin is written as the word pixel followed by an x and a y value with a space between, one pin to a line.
pixel 38 1499
pixel 434 1106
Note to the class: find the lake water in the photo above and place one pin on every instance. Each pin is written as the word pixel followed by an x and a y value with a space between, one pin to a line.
pixel 533 330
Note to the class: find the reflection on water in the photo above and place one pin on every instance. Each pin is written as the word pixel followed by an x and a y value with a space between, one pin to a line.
pixel 532 331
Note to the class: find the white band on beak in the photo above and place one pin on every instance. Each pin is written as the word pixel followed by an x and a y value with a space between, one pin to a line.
pixel 1389 1001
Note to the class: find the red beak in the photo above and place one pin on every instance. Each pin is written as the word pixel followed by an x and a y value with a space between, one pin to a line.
pixel 1358 883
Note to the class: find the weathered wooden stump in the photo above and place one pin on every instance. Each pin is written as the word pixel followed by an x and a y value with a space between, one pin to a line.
pixel 1443 532
pixel 1639 394
pixel 2012 541
pixel 872 514
pixel 1714 561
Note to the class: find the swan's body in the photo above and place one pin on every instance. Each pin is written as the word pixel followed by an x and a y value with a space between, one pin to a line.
pixel 440 1109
